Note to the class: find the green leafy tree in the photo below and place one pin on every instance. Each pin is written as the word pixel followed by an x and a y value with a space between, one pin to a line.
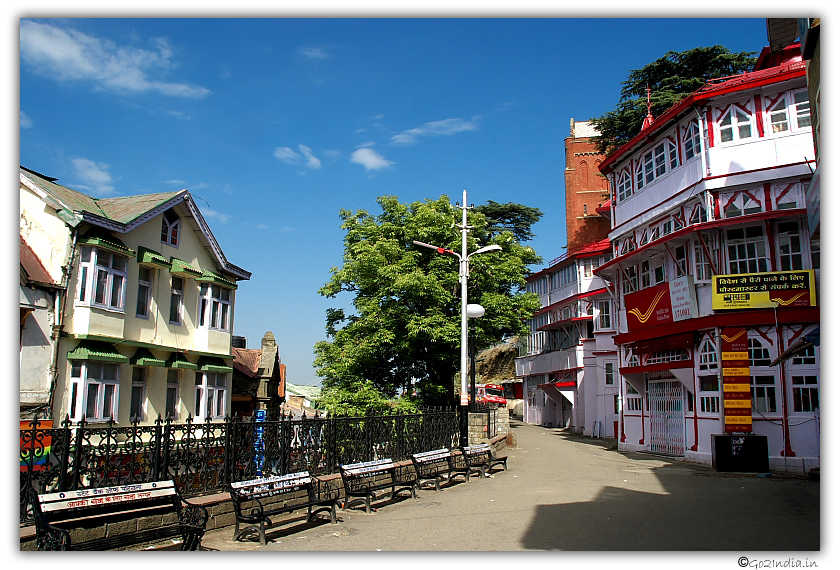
pixel 513 217
pixel 405 330
pixel 362 399
pixel 671 78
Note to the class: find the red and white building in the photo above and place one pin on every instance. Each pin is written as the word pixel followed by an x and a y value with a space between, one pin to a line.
pixel 712 261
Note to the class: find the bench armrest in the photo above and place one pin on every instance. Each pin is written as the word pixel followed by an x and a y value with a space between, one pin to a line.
pixel 193 515
pixel 325 490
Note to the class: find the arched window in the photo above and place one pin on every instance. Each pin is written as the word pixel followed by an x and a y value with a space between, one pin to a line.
pixel 170 228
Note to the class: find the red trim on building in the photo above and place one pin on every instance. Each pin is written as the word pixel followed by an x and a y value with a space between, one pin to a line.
pixel 658 366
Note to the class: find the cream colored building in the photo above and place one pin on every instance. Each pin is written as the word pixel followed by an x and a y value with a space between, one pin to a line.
pixel 146 318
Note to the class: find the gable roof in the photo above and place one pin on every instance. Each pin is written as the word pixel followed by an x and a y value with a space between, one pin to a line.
pixel 122 214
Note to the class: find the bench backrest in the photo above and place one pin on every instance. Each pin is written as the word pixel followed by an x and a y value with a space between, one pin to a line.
pixel 65 505
pixel 379 465
pixel 268 485
pixel 477 448
pixel 430 456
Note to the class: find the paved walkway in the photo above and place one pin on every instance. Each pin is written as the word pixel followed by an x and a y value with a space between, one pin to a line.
pixel 566 492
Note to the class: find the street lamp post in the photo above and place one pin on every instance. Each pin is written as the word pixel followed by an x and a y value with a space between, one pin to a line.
pixel 463 273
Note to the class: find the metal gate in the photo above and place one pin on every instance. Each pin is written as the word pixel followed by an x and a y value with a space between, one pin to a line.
pixel 667 418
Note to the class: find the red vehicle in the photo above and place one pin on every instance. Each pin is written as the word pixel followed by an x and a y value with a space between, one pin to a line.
pixel 490 394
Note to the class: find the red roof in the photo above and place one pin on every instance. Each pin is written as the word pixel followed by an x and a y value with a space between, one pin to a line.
pixel 587 250
pixel 712 88
pixel 35 270
pixel 247 360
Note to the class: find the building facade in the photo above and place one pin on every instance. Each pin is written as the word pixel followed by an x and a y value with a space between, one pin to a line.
pixel 568 362
pixel 144 323
pixel 715 271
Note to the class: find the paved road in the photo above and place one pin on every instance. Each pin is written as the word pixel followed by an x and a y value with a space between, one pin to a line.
pixel 566 492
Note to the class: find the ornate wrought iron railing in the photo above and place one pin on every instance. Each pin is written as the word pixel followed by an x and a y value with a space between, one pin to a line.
pixel 204 457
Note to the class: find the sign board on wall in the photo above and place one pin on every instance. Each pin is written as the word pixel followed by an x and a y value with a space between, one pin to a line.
pixel 771 290
pixel 661 304
pixel 737 399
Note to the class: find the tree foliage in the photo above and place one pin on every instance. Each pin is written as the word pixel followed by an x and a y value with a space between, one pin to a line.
pixel 671 78
pixel 362 399
pixel 513 217
pixel 405 330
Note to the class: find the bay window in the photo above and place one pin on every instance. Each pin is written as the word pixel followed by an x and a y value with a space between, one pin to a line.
pixel 102 278
pixel 746 250
pixel 215 307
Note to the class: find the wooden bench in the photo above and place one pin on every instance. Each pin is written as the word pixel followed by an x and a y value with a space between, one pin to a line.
pixel 362 480
pixel 434 465
pixel 256 500
pixel 57 515
pixel 482 458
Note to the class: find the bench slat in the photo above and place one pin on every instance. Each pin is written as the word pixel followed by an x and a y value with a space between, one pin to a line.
pixel 105 500
pixel 104 491
pixel 303 476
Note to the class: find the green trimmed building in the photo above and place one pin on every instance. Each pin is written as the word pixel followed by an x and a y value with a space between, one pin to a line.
pixel 143 318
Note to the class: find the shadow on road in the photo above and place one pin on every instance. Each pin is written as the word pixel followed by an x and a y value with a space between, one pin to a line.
pixel 694 513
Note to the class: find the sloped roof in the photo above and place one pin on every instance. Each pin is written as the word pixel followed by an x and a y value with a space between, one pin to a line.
pixel 309 392
pixel 35 270
pixel 122 214
pixel 247 360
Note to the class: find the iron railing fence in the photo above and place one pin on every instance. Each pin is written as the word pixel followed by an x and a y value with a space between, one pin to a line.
pixel 205 457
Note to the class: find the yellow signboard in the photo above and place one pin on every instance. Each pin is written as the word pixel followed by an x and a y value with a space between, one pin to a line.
pixel 736 371
pixel 770 290
pixel 735 356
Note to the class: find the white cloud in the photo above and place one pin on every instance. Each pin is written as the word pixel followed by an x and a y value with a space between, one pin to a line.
pixel 446 127
pixel 370 159
pixel 314 53
pixel 25 121
pixel 95 177
pixel 214 215
pixel 67 54
pixel 177 182
pixel 311 160
pixel 289 156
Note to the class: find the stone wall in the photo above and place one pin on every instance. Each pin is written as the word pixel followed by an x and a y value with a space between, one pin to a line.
pixel 477 425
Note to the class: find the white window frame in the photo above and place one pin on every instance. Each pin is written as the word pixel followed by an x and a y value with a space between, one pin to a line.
pixel 763 393
pixel 215 312
pixel 707 355
pixel 735 124
pixel 788 112
pixel 92 262
pixel 80 383
pixel 747 254
pixel 139 383
pixel 176 299
pixel 802 385
pixel 211 395
pixel 791 251
pixel 609 373
pixel 605 321
pixel 144 292
pixel 709 399
pixel 173 382
pixel 624 185
pixel 691 140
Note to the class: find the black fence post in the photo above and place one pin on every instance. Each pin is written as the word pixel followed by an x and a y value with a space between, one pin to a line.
pixel 64 460
pixel 158 459
pixel 77 456
pixel 465 438
pixel 227 469
pixel 369 435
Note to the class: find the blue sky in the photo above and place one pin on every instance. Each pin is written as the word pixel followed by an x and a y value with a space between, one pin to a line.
pixel 276 124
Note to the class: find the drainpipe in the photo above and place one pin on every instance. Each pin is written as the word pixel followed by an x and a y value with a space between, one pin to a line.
pixel 60 309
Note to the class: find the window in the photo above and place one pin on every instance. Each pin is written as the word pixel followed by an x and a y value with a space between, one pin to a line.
pixel 173 393
pixel 210 394
pixel 786 105
pixel 604 318
pixel 746 250
pixel 169 228
pixel 804 356
pixel 681 260
pixel 806 394
pixel 176 302
pixel 815 254
pixel 778 115
pixel 645 271
pixel 735 123
pixel 94 391
pixel 763 391
pixel 708 403
pixel 609 373
pixel 691 140
pixel 588 265
pixel 144 292
pixel 631 280
pixel 708 356
pixel 214 310
pixel 632 398
pixel 742 204
pixel 138 394
pixel 624 185
pixel 790 247
pixel 102 277
pixel 803 109
pixel 702 267
pixel 759 355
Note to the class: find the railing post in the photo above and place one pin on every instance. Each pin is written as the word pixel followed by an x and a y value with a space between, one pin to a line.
pixel 77 456
pixel 156 472
pixel 369 435
pixel 227 469
pixel 64 460
pixel 166 448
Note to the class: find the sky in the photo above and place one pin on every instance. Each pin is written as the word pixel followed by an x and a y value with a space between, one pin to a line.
pixel 276 124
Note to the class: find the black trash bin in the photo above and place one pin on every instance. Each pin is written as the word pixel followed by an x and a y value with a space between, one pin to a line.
pixel 742 453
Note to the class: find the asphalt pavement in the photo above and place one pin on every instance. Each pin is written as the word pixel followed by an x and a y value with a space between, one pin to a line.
pixel 564 492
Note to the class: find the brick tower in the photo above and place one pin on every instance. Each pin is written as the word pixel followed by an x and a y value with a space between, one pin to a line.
pixel 586 188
